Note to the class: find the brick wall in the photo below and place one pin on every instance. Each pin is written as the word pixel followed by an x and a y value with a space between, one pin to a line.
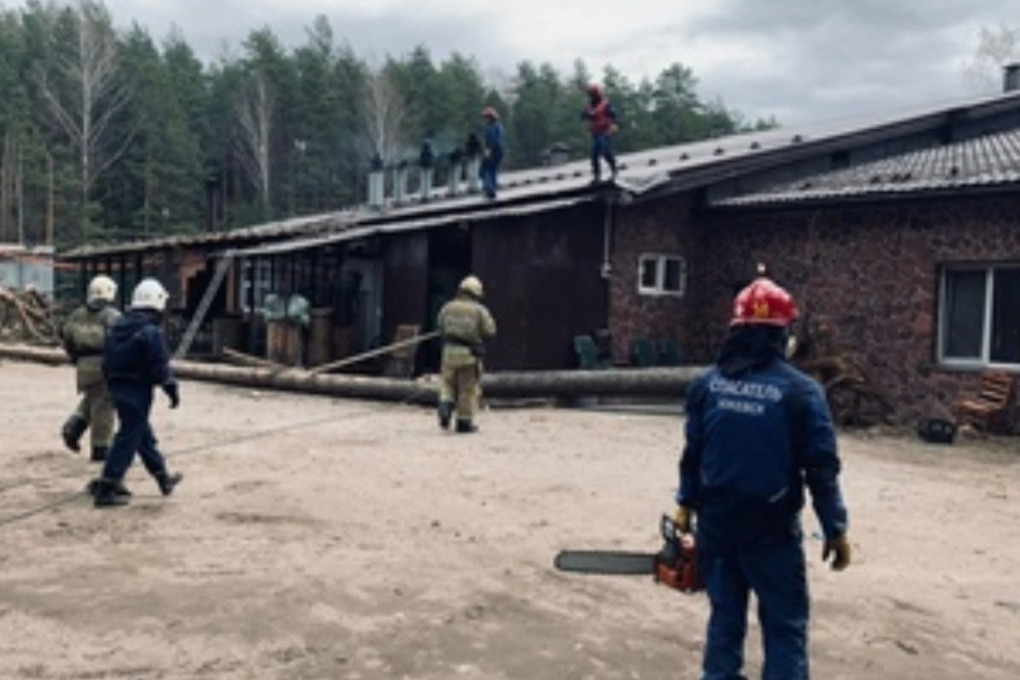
pixel 872 270
pixel 663 227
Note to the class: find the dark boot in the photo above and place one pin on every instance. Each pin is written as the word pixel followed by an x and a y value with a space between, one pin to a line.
pixel 120 490
pixel 99 454
pixel 167 482
pixel 466 426
pixel 445 411
pixel 72 431
pixel 106 495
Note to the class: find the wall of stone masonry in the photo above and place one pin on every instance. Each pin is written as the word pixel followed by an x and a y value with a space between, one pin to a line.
pixel 870 269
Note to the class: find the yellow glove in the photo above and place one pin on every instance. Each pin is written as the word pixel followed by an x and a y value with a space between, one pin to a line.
pixel 682 519
pixel 839 548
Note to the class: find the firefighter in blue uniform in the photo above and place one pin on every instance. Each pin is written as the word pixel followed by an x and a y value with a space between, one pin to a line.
pixel 135 359
pixel 757 431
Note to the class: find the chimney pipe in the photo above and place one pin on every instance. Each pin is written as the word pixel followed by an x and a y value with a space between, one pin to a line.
pixel 1011 77
pixel 376 180
pixel 426 163
pixel 400 183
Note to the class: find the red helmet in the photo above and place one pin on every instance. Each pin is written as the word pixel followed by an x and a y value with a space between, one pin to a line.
pixel 594 88
pixel 763 302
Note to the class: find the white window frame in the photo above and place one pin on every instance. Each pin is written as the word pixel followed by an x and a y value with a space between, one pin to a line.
pixel 660 260
pixel 984 360
pixel 263 284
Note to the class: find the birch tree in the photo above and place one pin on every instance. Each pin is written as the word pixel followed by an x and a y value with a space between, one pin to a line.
pixel 255 124
pixel 384 112
pixel 84 91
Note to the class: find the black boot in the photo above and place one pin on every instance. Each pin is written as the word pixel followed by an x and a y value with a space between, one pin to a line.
pixel 120 490
pixel 106 495
pixel 445 411
pixel 167 482
pixel 99 454
pixel 72 431
pixel 466 426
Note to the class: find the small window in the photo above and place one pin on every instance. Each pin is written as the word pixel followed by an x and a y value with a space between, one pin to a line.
pixel 263 284
pixel 662 275
pixel 978 321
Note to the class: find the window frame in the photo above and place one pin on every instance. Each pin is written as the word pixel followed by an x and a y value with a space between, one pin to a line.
pixel 988 316
pixel 660 260
pixel 263 283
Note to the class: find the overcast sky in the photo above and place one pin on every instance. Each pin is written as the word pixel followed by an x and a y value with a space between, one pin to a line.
pixel 803 61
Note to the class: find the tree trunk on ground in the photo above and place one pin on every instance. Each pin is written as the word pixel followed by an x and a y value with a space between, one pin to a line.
pixel 634 382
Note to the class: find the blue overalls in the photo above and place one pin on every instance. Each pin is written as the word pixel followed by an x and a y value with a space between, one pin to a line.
pixel 135 359
pixel 753 440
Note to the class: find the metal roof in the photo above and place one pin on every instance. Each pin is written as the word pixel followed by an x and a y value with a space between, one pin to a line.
pixel 986 161
pixel 695 162
pixel 357 232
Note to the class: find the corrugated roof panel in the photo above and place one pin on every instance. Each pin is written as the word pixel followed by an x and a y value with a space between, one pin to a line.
pixel 987 160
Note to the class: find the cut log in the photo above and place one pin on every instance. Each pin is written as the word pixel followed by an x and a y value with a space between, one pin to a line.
pixel 647 382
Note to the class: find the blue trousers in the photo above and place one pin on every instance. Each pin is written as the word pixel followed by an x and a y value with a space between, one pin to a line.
pixel 133 404
pixel 490 174
pixel 601 148
pixel 776 572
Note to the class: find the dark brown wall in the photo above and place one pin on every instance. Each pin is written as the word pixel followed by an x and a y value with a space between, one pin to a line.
pixel 405 282
pixel 542 275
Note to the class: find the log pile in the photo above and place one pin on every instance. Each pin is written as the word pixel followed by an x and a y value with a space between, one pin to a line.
pixel 853 397
pixel 27 316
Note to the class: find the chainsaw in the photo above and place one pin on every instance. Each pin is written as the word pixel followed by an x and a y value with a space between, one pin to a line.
pixel 675 565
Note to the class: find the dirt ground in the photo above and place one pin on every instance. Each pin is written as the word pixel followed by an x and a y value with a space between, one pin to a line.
pixel 323 538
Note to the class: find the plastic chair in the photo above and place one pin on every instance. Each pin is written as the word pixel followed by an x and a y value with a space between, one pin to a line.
pixel 587 351
pixel 644 353
pixel 670 353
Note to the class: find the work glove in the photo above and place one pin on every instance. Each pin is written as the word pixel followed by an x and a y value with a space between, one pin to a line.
pixel 839 548
pixel 682 519
pixel 172 392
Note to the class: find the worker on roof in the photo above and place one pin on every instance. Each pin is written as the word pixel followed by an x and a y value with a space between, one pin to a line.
pixel 493 152
pixel 135 359
pixel 757 431
pixel 82 336
pixel 602 125
pixel 465 325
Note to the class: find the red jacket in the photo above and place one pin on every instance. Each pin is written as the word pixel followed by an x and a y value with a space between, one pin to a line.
pixel 600 117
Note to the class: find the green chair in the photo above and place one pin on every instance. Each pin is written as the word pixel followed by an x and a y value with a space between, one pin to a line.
pixel 670 353
pixel 587 351
pixel 644 353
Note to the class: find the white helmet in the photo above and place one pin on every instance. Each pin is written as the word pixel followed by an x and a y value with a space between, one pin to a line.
pixel 472 285
pixel 149 294
pixel 101 287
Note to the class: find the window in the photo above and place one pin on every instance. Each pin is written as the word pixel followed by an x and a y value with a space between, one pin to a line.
pixel 661 275
pixel 263 284
pixel 980 315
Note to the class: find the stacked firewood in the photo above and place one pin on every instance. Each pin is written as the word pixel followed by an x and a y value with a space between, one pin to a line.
pixel 853 397
pixel 27 316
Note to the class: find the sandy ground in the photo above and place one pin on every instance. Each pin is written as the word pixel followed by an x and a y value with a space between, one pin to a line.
pixel 322 538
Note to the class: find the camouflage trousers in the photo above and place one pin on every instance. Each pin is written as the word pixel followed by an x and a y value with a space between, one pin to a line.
pixel 96 410
pixel 460 385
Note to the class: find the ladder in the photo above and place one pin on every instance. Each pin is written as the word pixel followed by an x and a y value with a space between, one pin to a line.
pixel 222 267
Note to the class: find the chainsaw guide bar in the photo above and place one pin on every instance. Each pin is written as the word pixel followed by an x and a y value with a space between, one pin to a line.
pixel 606 562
